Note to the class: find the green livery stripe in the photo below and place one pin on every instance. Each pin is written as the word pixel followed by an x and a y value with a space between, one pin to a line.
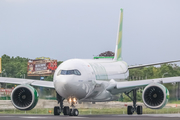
pixel 119 50
pixel 100 71
pixel 101 57
pixel 167 94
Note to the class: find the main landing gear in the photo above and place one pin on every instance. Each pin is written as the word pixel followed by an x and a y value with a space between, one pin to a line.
pixel 65 109
pixel 134 108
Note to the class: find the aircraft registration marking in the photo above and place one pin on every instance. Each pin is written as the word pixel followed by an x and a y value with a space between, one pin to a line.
pixel 80 80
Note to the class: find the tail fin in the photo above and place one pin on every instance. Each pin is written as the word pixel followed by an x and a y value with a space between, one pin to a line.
pixel 118 49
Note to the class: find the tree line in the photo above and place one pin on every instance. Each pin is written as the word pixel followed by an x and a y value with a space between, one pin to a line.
pixel 164 70
pixel 16 67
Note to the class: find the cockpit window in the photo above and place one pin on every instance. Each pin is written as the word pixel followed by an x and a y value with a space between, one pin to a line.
pixel 69 72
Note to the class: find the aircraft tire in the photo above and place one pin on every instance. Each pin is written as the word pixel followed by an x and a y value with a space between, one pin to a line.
pixel 129 110
pixel 139 110
pixel 70 112
pixel 66 110
pixel 75 112
pixel 57 110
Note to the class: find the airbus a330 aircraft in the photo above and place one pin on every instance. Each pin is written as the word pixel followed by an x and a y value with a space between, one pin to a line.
pixel 93 80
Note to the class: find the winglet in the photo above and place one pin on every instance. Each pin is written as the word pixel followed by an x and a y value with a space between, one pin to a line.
pixel 118 49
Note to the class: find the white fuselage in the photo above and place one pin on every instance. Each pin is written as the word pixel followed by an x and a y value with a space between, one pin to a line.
pixel 87 80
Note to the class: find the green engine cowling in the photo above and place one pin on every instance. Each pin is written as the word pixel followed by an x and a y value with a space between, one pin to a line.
pixel 24 97
pixel 155 96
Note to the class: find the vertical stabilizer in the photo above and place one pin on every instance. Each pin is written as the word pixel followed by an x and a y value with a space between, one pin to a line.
pixel 118 49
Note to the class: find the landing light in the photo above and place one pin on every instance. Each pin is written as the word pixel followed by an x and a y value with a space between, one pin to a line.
pixel 74 99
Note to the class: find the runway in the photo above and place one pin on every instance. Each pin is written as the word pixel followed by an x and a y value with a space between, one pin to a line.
pixel 92 117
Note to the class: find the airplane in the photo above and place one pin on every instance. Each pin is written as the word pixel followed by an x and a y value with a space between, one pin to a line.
pixel 93 80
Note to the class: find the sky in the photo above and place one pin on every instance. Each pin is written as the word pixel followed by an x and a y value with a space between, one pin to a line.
pixel 65 29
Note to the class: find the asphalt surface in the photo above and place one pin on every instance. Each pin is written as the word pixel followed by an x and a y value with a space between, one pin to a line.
pixel 92 117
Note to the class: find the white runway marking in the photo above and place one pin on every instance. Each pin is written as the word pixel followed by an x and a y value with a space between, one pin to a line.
pixel 164 115
pixel 34 117
pixel 77 117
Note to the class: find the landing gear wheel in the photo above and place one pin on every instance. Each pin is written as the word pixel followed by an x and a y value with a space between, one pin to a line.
pixel 139 110
pixel 129 110
pixel 134 108
pixel 75 112
pixel 66 110
pixel 57 110
pixel 70 112
pixel 60 100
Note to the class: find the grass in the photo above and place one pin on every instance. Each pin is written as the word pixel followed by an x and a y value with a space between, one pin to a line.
pixel 93 111
pixel 33 111
pixel 174 101
pixel 124 111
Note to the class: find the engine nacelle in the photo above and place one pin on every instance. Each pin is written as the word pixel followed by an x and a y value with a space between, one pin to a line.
pixel 155 96
pixel 24 97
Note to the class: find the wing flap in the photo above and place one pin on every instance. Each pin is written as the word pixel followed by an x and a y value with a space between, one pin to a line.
pixel 130 85
pixel 141 83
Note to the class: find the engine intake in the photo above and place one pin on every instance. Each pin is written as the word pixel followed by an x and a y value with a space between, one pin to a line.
pixel 155 96
pixel 24 97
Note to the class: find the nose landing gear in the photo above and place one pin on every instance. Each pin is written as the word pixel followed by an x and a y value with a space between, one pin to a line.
pixel 65 109
pixel 73 111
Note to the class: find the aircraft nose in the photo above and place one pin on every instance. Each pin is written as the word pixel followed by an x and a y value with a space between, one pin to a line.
pixel 68 86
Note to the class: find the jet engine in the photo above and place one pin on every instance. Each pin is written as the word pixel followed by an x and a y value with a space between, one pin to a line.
pixel 155 96
pixel 24 97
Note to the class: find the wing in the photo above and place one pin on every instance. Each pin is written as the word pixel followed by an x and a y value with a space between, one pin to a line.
pixel 158 63
pixel 120 87
pixel 40 83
